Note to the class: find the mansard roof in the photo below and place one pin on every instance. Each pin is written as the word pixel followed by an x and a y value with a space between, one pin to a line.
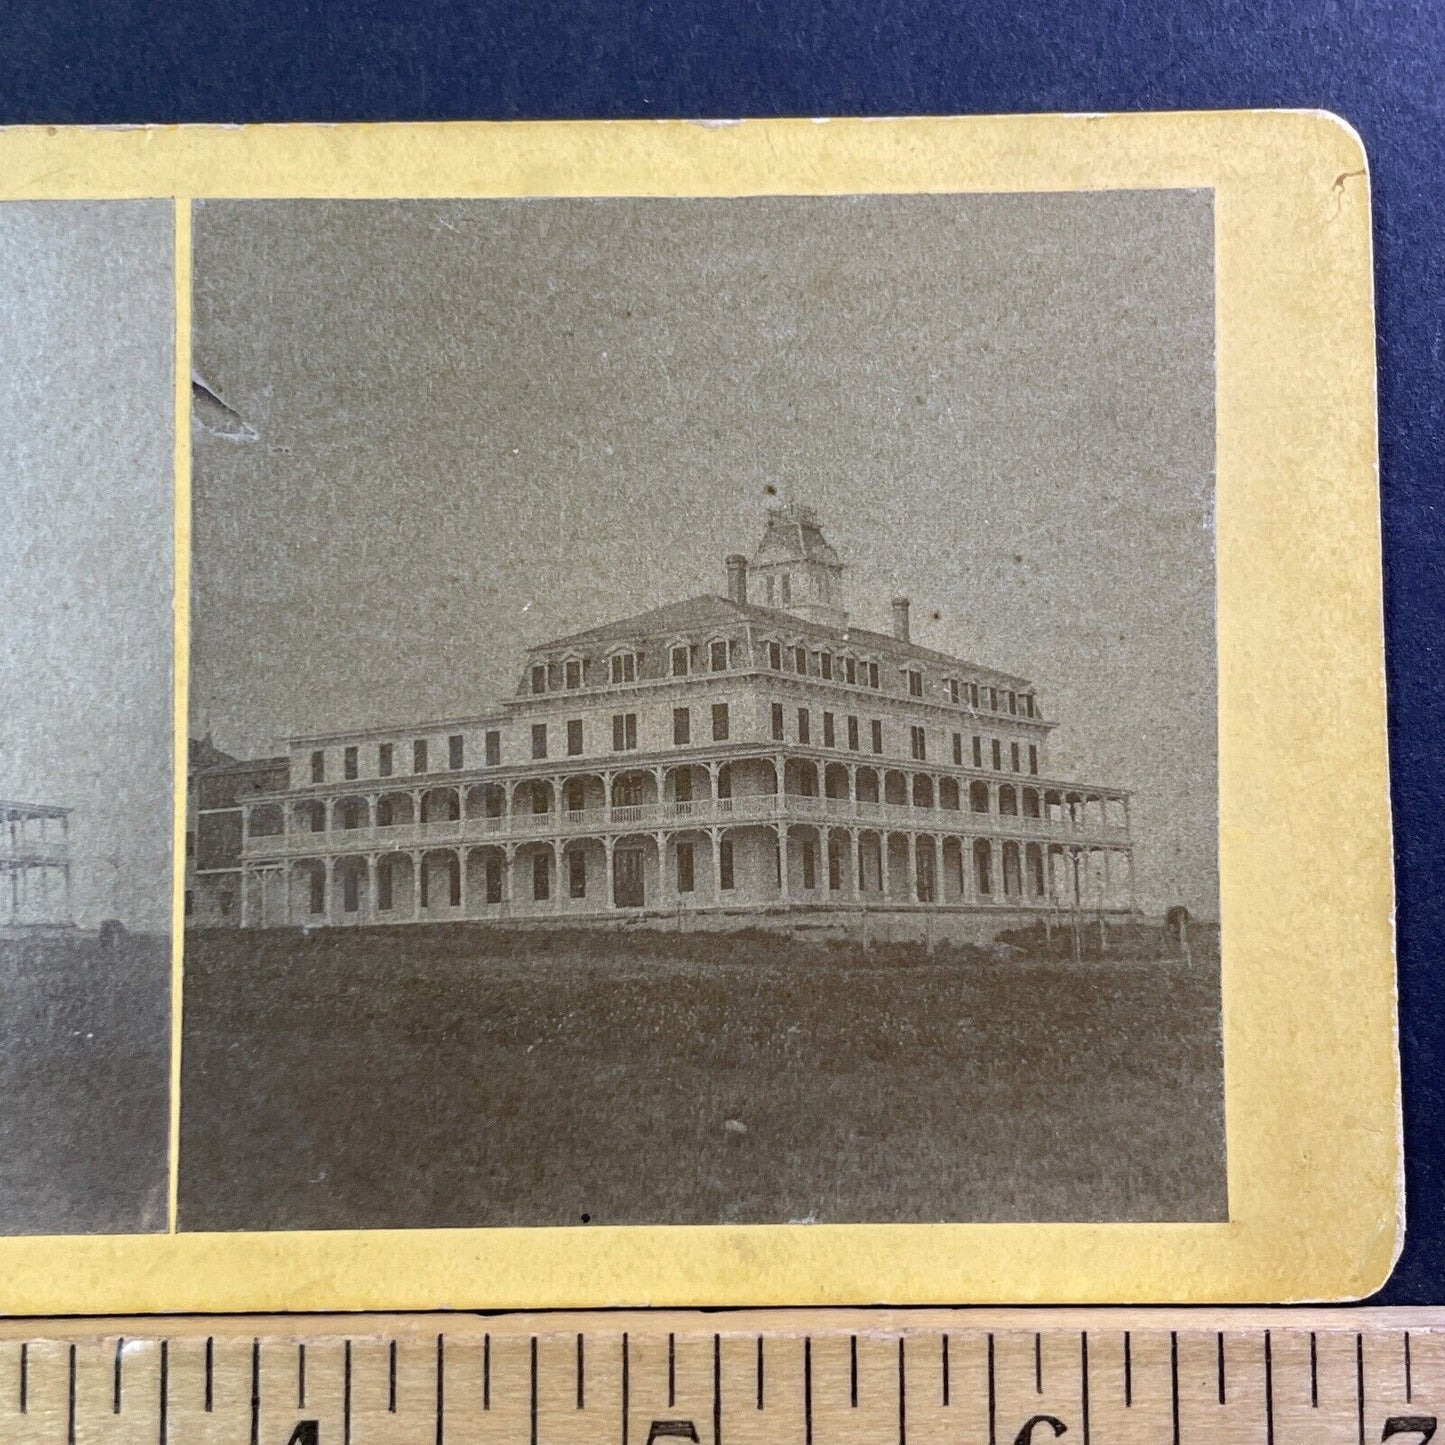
pixel 702 613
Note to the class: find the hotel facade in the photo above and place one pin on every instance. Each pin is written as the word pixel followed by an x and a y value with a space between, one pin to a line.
pixel 748 757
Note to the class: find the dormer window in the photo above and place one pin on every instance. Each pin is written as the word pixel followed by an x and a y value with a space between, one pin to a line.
pixel 539 678
pixel 787 591
pixel 953 690
pixel 973 695
pixel 850 671
pixel 872 674
pixel 915 683
pixel 574 674
pixel 679 661
pixel 624 667
pixel 1029 705
pixel 800 660
pixel 825 665
pixel 775 657
pixel 718 656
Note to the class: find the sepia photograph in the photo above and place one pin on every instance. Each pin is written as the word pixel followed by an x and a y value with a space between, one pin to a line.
pixel 87 403
pixel 702 711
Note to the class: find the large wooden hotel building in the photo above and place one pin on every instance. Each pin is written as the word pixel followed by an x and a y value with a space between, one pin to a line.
pixel 743 758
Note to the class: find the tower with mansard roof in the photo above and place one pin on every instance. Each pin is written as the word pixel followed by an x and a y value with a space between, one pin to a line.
pixel 794 567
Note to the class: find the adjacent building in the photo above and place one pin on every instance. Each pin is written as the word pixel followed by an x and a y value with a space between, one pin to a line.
pixel 749 755
pixel 34 864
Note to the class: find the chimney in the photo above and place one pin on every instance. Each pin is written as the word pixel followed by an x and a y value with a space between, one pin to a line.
pixel 737 577
pixel 900 618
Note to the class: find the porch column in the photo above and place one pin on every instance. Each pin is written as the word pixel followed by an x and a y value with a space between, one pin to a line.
pixel 607 805
pixel 884 881
pixel 782 832
pixel 287 869
pixel 372 902
pixel 1133 901
pixel 557 894
pixel 966 880
pixel 245 823
pixel 558 802
pixel 245 882
pixel 857 851
pixel 716 835
pixel 853 785
pixel 462 882
pixel 415 884
pixel 607 847
pixel 938 868
pixel 995 869
pixel 509 857
pixel 665 894
pixel 1106 896
pixel 659 775
pixel 912 866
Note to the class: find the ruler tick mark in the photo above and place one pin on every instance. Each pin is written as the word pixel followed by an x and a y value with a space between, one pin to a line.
pixel 671 1370
pixel 486 1372
pixel 1268 1390
pixel 1219 1366
pixel 717 1389
pixel 625 1384
pixel 346 1394
pixel 992 1399
pixel 1360 1384
pixel 1084 1381
pixel 70 1400
pixel 1174 1382
pixel 902 1396
pixel 1038 1363
pixel 582 1373
pixel 441 1386
pixel 760 1372
pixel 1409 1393
pixel 945 1367
pixel 853 1371
pixel 532 1405
pixel 210 1373
pixel 255 1391
pixel 391 1379
pixel 301 1376
pixel 24 1377
pixel 165 1391
pixel 1314 1374
pixel 1128 1371
pixel 115 1384
pixel 807 1390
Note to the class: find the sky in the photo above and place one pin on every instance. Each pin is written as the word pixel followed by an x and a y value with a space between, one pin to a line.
pixel 448 430
pixel 86 456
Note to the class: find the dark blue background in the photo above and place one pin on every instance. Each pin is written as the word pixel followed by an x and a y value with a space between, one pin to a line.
pixel 1379 63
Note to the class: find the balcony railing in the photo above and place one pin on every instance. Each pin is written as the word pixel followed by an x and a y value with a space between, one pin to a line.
pixel 630 817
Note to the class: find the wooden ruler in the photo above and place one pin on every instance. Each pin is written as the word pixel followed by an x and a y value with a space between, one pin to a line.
pixel 867 1377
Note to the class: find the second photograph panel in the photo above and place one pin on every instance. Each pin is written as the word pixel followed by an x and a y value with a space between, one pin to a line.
pixel 702 711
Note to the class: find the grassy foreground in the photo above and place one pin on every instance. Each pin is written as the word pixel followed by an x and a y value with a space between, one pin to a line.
pixel 455 1076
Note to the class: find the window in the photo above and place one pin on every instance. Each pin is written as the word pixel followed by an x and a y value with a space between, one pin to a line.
pixel 953 690
pixel 829 741
pixel 853 734
pixel 494 878
pixel 384 757
pixel 1013 702
pixel 997 756
pixel 681 726
pixel 494 747
pixel 455 752
pixel 348 764
pixel 1014 756
pixel 719 722
pixel 686 881
pixel 350 893
pixel 787 587
pixel 804 729
pixel 725 863
pixel 318 766
pixel 775 656
pixel 577 873
pixel 574 674
pixel 541 877
pixel 624 731
pixel 919 742
pixel 825 665
pixel 873 674
pixel 973 695
pixel 835 867
pixel 778 721
pixel 318 892
pixel 718 656
pixel 993 699
pixel 724 781
pixel 539 678
pixel 800 660
pixel 1033 758
pixel 383 886
pixel 574 737
pixel 958 750
pixel 539 740
pixel 850 671
pixel 810 865
pixel 877 728
pixel 679 662
pixel 1029 704
pixel 977 751
pixel 915 683
pixel 624 667
pixel 418 756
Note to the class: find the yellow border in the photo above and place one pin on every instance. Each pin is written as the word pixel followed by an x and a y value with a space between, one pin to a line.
pixel 1309 1014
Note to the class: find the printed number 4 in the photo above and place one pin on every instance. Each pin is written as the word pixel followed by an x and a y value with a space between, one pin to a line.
pixel 307 1432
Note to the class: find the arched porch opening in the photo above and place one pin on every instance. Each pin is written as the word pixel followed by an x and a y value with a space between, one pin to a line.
pixel 395 885
pixel 394 810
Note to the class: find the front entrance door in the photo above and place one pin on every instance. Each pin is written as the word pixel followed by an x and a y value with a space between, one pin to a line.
pixel 627 884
